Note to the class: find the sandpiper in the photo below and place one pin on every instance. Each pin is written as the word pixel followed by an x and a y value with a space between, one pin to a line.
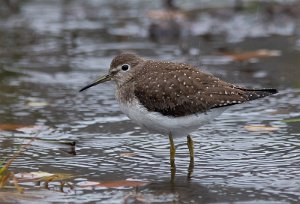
pixel 171 98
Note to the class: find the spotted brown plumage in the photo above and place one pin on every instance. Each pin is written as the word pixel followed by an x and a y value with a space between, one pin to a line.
pixel 174 89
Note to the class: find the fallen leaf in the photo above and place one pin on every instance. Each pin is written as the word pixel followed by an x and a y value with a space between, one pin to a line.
pixel 113 184
pixel 32 175
pixel 11 127
pixel 260 128
pixel 262 53
pixel 41 176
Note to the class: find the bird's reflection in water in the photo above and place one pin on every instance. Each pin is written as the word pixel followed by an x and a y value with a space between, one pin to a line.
pixel 178 190
pixel 183 190
pixel 190 171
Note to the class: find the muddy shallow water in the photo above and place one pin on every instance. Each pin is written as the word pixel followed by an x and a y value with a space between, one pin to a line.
pixel 250 154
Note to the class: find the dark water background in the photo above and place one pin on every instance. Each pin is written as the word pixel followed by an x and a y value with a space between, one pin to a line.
pixel 50 49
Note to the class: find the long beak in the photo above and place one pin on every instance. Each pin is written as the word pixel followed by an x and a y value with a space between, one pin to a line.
pixel 98 81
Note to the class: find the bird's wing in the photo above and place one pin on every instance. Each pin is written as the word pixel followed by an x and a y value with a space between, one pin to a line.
pixel 185 91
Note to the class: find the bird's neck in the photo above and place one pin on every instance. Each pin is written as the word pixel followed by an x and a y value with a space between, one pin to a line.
pixel 125 92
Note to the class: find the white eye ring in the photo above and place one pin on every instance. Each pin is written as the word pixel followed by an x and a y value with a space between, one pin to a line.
pixel 125 67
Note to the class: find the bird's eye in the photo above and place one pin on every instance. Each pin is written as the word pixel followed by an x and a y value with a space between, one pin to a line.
pixel 125 67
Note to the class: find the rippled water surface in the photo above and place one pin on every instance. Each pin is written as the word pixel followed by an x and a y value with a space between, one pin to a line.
pixel 49 50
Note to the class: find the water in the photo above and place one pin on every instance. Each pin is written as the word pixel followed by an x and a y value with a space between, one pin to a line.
pixel 49 50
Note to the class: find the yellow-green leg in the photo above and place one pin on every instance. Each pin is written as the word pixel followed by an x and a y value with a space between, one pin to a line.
pixel 190 144
pixel 172 152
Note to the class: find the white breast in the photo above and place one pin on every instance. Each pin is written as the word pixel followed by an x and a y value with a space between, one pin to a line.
pixel 179 126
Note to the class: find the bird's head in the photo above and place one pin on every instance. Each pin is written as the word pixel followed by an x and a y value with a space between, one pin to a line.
pixel 122 69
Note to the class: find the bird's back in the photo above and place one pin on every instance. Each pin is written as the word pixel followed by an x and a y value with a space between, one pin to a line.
pixel 175 90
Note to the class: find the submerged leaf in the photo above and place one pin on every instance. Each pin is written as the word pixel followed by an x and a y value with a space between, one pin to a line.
pixel 259 128
pixel 3 168
pixel 84 184
pixel 292 120
pixel 5 174
pixel 163 15
pixel 37 104
pixel 127 154
pixel 9 197
pixel 4 179
pixel 56 177
pixel 123 183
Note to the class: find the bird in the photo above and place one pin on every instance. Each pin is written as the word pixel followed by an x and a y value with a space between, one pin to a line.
pixel 167 24
pixel 172 98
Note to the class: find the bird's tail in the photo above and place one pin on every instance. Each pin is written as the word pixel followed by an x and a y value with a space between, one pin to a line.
pixel 253 94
